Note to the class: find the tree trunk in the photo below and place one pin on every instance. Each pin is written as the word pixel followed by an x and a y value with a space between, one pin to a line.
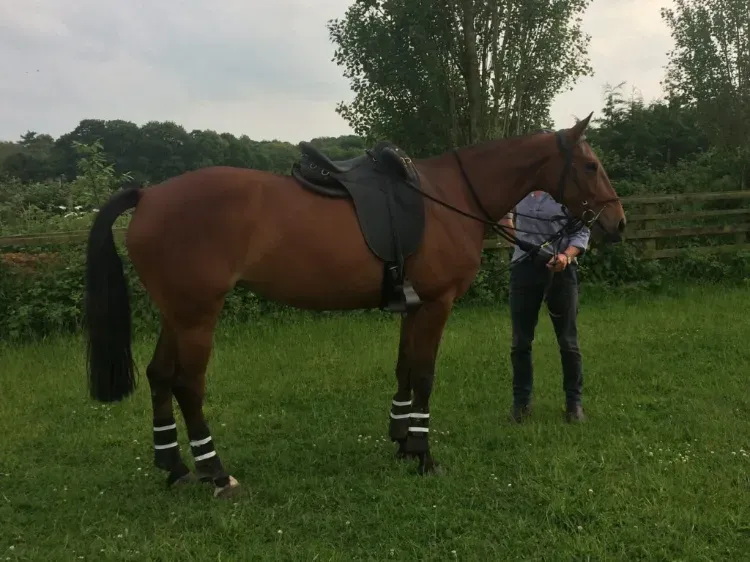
pixel 497 59
pixel 472 70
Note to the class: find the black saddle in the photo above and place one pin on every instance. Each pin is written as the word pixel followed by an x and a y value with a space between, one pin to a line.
pixel 380 184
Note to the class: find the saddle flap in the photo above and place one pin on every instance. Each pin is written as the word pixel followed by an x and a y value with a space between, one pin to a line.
pixel 390 212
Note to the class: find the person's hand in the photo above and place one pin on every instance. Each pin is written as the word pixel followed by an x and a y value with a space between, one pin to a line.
pixel 558 262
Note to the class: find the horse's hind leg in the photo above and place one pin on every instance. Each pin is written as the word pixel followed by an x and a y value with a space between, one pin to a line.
pixel 160 373
pixel 193 351
pixel 401 402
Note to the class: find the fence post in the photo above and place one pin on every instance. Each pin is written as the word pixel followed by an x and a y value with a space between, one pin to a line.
pixel 650 209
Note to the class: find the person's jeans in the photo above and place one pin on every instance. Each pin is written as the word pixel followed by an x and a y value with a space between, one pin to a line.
pixel 527 283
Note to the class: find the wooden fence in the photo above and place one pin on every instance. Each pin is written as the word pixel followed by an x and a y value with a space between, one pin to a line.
pixel 662 226
pixel 665 225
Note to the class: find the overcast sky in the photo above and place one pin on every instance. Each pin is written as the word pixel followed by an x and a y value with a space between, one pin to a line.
pixel 256 67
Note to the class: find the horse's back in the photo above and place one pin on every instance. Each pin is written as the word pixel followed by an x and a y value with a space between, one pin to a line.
pixel 222 225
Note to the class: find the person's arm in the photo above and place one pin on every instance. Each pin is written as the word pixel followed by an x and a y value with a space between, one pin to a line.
pixel 578 244
pixel 508 221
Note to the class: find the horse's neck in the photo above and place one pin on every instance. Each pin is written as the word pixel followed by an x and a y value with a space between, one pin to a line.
pixel 502 172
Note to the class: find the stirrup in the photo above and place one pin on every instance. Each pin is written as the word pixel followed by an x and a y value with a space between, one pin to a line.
pixel 410 295
pixel 404 299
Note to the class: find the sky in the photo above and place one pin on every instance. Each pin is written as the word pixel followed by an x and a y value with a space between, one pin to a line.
pixel 257 67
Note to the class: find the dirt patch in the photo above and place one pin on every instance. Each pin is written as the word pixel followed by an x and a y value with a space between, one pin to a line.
pixel 28 262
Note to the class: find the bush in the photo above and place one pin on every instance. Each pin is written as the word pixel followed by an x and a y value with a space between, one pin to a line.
pixel 41 289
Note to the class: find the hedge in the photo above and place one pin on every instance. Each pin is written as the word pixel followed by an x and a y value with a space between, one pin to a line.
pixel 41 289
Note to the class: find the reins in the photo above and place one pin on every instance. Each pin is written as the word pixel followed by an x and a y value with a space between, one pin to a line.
pixel 572 224
pixel 501 230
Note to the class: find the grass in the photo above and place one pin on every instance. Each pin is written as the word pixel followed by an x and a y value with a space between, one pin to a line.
pixel 299 412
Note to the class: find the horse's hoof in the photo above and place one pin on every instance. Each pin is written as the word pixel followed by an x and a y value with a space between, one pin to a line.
pixel 180 477
pixel 433 471
pixel 229 491
pixel 402 454
pixel 437 470
pixel 188 478
pixel 429 468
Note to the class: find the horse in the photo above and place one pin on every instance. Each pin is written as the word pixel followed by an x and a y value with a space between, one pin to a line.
pixel 194 237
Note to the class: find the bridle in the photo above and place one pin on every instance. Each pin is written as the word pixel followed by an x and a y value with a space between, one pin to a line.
pixel 572 224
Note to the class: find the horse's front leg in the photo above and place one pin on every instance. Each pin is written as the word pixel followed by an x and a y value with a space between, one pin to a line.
pixel 423 340
pixel 401 402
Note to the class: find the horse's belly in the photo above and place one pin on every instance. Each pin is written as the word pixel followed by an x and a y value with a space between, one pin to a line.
pixel 317 259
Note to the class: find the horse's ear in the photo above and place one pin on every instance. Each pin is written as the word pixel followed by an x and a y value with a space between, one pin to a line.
pixel 576 132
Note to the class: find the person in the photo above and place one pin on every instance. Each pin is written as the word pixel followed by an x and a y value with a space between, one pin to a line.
pixel 551 276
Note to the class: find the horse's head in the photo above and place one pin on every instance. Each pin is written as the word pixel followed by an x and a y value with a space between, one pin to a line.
pixel 578 180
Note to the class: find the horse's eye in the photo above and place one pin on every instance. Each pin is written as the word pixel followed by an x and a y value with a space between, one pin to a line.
pixel 591 166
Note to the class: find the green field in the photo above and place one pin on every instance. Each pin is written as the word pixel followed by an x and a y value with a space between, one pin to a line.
pixel 299 413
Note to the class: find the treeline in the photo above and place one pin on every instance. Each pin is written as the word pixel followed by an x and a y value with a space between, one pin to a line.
pixel 646 147
pixel 151 153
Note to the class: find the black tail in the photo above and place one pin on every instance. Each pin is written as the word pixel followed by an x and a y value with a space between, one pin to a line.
pixel 111 372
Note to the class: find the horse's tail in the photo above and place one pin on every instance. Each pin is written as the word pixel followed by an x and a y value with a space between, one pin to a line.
pixel 111 371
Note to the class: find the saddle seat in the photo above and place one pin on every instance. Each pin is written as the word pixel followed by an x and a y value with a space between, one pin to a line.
pixel 385 152
pixel 383 185
pixel 322 161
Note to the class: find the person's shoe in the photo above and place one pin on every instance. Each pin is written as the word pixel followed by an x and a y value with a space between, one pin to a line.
pixel 519 412
pixel 574 413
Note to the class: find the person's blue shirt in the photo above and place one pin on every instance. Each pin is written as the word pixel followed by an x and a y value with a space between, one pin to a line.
pixel 536 227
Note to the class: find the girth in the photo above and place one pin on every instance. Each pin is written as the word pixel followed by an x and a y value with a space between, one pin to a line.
pixel 390 212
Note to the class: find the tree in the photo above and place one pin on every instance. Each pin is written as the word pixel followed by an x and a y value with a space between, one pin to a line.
pixel 96 178
pixel 432 74
pixel 7 149
pixel 638 138
pixel 709 68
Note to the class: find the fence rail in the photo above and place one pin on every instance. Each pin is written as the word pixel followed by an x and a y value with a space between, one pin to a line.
pixel 46 238
pixel 710 222
pixel 665 225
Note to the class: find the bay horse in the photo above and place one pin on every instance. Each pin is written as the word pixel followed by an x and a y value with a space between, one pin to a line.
pixel 192 238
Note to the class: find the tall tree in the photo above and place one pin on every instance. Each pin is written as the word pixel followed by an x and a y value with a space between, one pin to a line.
pixel 431 74
pixel 710 67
